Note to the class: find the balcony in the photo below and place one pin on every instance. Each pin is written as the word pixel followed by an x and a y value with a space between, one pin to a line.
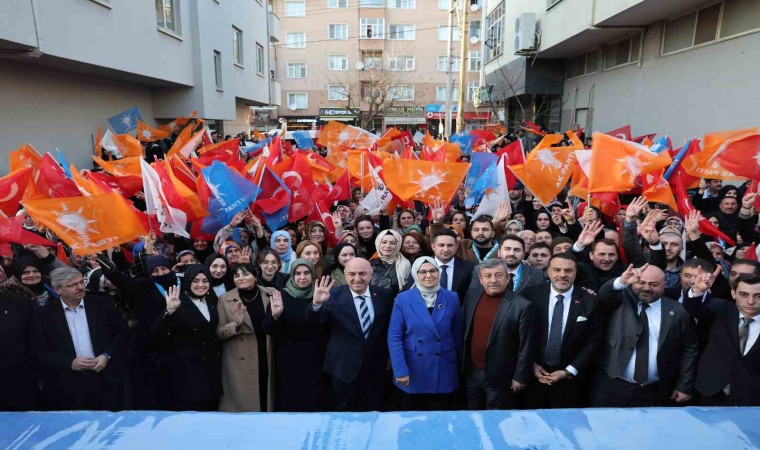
pixel 275 93
pixel 274 26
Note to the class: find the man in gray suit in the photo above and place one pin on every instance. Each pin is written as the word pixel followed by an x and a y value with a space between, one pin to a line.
pixel 649 356
pixel 521 275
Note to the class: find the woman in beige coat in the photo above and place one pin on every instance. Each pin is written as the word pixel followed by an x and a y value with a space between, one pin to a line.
pixel 245 348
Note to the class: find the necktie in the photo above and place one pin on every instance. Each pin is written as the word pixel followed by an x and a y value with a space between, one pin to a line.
pixel 444 276
pixel 744 333
pixel 641 370
pixel 554 343
pixel 364 318
pixel 511 282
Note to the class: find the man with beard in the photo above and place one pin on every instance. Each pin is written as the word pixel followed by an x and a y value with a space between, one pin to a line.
pixel 521 275
pixel 650 351
pixel 484 242
pixel 603 258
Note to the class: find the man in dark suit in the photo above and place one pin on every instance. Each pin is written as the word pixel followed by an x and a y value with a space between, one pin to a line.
pixel 78 346
pixel 730 365
pixel 651 349
pixel 521 275
pixel 456 273
pixel 357 353
pixel 19 390
pixel 690 272
pixel 569 330
pixel 500 340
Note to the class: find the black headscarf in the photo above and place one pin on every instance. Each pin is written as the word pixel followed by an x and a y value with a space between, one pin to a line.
pixel 191 272
pixel 170 279
pixel 25 261
pixel 226 280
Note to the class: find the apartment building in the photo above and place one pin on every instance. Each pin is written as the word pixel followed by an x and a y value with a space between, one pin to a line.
pixel 67 65
pixel 375 63
pixel 677 67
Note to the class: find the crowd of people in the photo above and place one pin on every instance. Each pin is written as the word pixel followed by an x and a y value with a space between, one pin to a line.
pixel 538 306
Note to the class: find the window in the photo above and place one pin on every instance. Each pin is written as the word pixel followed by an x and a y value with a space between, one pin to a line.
pixel 456 63
pixel 295 40
pixel 444 4
pixel 371 3
pixel 372 60
pixel 440 93
pixel 475 29
pixel 711 24
pixel 337 3
pixel 473 61
pixel 622 52
pixel 402 4
pixel 296 70
pixel 298 100
pixel 443 33
pixel 495 33
pixel 167 15
pixel 401 32
pixel 218 69
pixel 401 63
pixel 259 59
pixel 337 31
pixel 372 29
pixel 295 8
pixel 337 62
pixel 471 87
pixel 237 46
pixel 403 93
pixel 582 65
pixel 336 92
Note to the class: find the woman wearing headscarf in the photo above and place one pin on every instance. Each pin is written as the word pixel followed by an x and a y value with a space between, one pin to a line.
pixel 244 351
pixel 281 243
pixel 221 278
pixel 269 270
pixel 30 272
pixel 425 340
pixel 316 232
pixel 344 253
pixel 194 352
pixel 298 346
pixel 390 269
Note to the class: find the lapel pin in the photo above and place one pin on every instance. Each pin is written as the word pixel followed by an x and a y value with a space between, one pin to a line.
pixel 672 313
pixel 440 306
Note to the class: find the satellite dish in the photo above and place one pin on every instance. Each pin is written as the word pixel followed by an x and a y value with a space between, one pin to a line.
pixel 474 40
pixel 293 106
pixel 359 65
pixel 474 7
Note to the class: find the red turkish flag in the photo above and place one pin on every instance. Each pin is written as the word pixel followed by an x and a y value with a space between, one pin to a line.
pixel 12 188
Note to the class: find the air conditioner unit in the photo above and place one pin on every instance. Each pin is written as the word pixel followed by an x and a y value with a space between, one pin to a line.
pixel 525 33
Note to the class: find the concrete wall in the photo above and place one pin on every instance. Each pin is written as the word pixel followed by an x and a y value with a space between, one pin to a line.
pixel 50 109
pixel 684 95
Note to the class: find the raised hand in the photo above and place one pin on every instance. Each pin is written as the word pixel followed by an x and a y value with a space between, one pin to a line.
pixel 255 221
pixel 439 211
pixel 322 290
pixel 704 280
pixel 238 313
pixel 275 302
pixel 569 213
pixel 748 201
pixel 632 275
pixel 245 255
pixel 589 233
pixel 647 228
pixel 634 209
pixel 238 218
pixel 172 299
pixel 557 219
pixel 691 225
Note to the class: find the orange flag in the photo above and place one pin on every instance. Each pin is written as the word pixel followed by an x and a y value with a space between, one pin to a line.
pixel 727 155
pixel 121 167
pixel 24 156
pixel 88 224
pixel 97 150
pixel 426 181
pixel 547 169
pixel 186 142
pixel 435 150
pixel 146 133
pixel 617 163
pixel 336 135
pixel 657 189
pixel 387 143
pixel 128 146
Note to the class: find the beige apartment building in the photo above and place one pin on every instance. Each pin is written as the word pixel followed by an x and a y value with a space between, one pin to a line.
pixel 374 63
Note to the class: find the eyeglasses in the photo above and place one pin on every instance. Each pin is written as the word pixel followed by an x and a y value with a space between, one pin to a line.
pixel 424 273
pixel 73 285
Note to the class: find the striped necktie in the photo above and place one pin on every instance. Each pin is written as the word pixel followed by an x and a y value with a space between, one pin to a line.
pixel 364 318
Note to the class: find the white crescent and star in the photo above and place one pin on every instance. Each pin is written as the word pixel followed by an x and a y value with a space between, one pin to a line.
pixel 12 193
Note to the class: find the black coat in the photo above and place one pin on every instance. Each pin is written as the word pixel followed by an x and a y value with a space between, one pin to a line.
pixel 18 391
pixel 347 350
pixel 511 348
pixel 52 350
pixel 194 352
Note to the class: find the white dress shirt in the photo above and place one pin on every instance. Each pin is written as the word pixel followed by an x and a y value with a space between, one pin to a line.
pixel 76 318
pixel 754 332
pixel 202 307
pixel 449 271
pixel 357 304
pixel 566 296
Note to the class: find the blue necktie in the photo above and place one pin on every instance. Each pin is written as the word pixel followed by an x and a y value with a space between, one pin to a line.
pixel 554 343
pixel 364 318
pixel 444 276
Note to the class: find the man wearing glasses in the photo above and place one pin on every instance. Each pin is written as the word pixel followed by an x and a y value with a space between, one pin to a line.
pixel 78 345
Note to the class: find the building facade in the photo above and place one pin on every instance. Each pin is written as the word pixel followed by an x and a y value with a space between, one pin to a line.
pixel 67 65
pixel 375 63
pixel 681 68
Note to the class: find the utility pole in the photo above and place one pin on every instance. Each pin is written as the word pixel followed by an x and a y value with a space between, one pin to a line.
pixel 449 66
pixel 462 62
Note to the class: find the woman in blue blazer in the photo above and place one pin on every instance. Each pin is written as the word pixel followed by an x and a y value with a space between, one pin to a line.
pixel 425 340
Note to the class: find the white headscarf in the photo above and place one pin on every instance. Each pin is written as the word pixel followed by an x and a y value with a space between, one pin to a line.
pixel 428 294
pixel 403 267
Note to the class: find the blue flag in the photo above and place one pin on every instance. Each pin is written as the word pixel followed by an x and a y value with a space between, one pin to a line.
pixel 278 219
pixel 488 180
pixel 465 141
pixel 303 139
pixel 125 121
pixel 258 147
pixel 659 146
pixel 64 163
pixel 233 191
pixel 478 164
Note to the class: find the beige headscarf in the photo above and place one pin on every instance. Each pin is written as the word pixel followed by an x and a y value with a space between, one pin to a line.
pixel 403 267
